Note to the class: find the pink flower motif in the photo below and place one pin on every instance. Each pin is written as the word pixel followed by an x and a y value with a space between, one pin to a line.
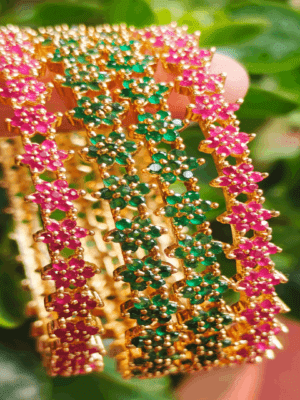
pixel 59 235
pixel 68 305
pixel 208 106
pixel 27 90
pixel 258 282
pixel 227 112
pixel 75 357
pixel 200 80
pixel 227 141
pixel 265 310
pixel 54 195
pixel 249 216
pixel 240 179
pixel 255 251
pixel 16 67
pixel 33 120
pixel 259 341
pixel 74 272
pixel 44 156
pixel 192 56
pixel 73 331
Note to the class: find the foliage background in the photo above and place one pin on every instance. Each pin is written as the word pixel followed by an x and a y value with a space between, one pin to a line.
pixel 265 37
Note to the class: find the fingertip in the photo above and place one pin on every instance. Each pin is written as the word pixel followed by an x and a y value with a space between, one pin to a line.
pixel 237 80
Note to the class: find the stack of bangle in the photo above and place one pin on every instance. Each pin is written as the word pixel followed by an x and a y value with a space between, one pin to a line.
pixel 152 258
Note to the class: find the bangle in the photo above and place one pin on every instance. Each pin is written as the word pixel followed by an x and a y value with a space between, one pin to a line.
pixel 143 198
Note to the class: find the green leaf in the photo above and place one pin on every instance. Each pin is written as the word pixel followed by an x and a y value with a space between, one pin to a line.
pixel 110 385
pixel 260 103
pixel 53 13
pixel 12 301
pixel 275 50
pixel 232 33
pixel 22 377
pixel 132 12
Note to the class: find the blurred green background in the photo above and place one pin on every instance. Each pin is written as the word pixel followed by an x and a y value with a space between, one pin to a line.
pixel 262 35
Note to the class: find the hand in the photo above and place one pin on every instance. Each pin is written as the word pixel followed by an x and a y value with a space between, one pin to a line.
pixel 236 86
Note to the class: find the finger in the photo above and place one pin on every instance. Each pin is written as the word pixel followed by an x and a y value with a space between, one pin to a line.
pixel 236 86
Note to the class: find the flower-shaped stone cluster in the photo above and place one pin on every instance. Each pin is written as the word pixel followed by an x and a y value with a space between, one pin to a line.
pixel 204 288
pixel 132 234
pixel 100 110
pixel 161 36
pixel 260 341
pixel 260 282
pixel 79 358
pixel 158 127
pixel 31 120
pixel 255 251
pixel 209 350
pixel 54 196
pixel 83 77
pixel 74 272
pixel 264 311
pixel 239 179
pixel 199 79
pixel 13 66
pixel 144 89
pixel 59 235
pixel 249 216
pixel 124 191
pixel 112 149
pixel 213 107
pixel 128 63
pixel 27 90
pixel 226 141
pixel 71 304
pixel 196 250
pixel 147 310
pixel 212 320
pixel 149 271
pixel 172 165
pixel 191 56
pixel 44 156
pixel 72 331
pixel 187 208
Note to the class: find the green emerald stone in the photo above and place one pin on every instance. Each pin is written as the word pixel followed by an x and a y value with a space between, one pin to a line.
pixel 137 342
pixel 128 276
pixel 163 114
pixel 157 300
pixel 206 205
pixel 226 342
pixel 143 117
pixel 176 198
pixel 171 308
pixel 122 158
pixel 216 247
pixel 160 155
pixel 188 292
pixel 140 286
pixel 161 331
pixel 105 159
pixel 118 237
pixel 135 265
pixel 170 135
pixel 198 251
pixel 180 253
pixel 112 180
pixel 198 219
pixel 136 201
pixel 154 135
pixel 124 190
pixel 154 99
pixel 117 136
pixel 187 241
pixel 194 282
pixel 157 284
pixel 155 231
pixel 165 271
pixel 204 239
pixel 129 246
pixel 118 203
pixel 148 244
pixel 208 261
pixel 170 211
pixel 191 195
pixel 106 193
pixel 143 188
pixel 124 223
pixel 144 302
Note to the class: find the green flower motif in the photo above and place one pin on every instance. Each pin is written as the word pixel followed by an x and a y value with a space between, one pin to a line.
pixel 140 273
pixel 110 150
pixel 166 337
pixel 145 89
pixel 172 165
pixel 212 320
pixel 197 250
pixel 100 110
pixel 127 63
pixel 209 348
pixel 158 127
pixel 132 234
pixel 204 288
pixel 85 77
pixel 157 309
pixel 186 209
pixel 71 53
pixel 121 192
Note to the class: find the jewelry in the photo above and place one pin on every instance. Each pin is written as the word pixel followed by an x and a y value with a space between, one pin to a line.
pixel 140 186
